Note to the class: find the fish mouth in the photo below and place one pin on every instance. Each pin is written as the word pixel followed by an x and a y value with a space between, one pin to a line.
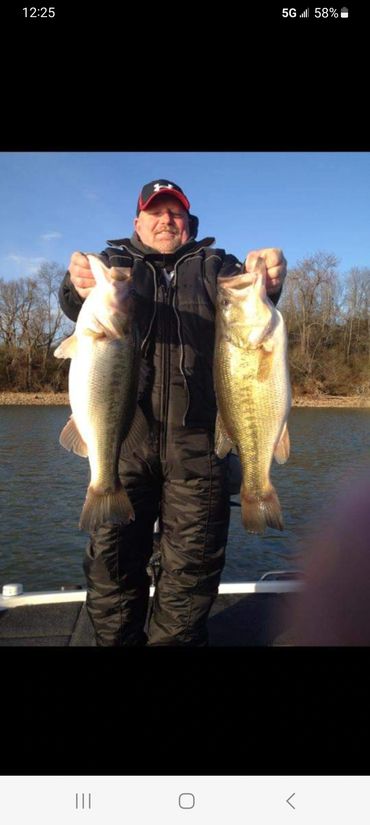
pixel 233 279
pixel 235 288
pixel 237 293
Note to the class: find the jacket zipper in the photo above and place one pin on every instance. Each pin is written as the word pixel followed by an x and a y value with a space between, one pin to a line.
pixel 169 302
pixel 145 341
pixel 147 263
pixel 166 363
pixel 182 350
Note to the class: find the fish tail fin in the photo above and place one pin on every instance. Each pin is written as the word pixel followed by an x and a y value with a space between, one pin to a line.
pixel 259 512
pixel 99 508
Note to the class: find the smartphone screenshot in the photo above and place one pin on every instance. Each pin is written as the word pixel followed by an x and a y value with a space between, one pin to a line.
pixel 184 415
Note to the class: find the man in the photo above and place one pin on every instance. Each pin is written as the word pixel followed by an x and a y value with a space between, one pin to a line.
pixel 175 473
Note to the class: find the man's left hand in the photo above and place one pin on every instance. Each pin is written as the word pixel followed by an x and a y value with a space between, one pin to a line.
pixel 276 267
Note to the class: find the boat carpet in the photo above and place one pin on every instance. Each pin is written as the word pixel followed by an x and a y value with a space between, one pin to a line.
pixel 234 620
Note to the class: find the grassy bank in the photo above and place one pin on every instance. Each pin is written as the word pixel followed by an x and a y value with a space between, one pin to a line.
pixel 332 401
pixel 28 398
pixel 48 398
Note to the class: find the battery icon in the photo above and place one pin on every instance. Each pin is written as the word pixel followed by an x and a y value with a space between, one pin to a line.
pixel 344 12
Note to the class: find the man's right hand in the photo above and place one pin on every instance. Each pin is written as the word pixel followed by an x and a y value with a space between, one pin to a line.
pixel 81 275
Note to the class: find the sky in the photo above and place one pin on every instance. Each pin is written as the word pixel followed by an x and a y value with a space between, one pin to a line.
pixel 53 203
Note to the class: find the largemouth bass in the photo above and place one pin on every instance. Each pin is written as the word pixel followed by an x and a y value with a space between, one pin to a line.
pixel 252 387
pixel 103 381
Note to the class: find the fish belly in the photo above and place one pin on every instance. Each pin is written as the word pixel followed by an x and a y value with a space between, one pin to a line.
pixel 103 401
pixel 263 413
pixel 254 409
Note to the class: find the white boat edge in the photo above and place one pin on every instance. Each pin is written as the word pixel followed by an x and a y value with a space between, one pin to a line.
pixel 56 596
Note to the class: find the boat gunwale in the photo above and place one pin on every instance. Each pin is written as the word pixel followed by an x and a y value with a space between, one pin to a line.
pixel 226 588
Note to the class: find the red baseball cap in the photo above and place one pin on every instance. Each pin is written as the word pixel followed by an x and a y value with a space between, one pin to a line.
pixel 160 187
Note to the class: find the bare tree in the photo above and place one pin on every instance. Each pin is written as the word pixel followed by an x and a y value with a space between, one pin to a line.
pixel 9 309
pixel 31 321
pixel 51 320
pixel 356 312
pixel 29 333
pixel 310 306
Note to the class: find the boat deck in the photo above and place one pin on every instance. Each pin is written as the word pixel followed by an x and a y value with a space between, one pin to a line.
pixel 259 614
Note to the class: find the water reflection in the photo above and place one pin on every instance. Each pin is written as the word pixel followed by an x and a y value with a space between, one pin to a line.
pixel 42 489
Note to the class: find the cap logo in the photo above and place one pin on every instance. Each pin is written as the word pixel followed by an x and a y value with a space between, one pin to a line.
pixel 158 186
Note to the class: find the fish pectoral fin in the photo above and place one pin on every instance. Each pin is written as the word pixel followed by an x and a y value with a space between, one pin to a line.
pixel 112 329
pixel 118 322
pixel 93 333
pixel 268 344
pixel 137 434
pixel 223 442
pixel 282 449
pixel 71 439
pixel 68 348
pixel 265 363
pixel 95 329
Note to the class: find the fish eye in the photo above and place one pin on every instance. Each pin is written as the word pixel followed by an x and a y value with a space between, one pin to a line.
pixel 225 302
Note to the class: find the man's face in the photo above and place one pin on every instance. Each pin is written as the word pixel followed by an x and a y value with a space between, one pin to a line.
pixel 164 225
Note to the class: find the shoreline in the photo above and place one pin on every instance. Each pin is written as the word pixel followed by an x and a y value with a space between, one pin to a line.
pixel 61 399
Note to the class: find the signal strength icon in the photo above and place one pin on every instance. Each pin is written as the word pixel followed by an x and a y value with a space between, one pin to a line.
pixel 305 13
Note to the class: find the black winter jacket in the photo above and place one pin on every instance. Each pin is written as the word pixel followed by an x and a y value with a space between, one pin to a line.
pixel 177 326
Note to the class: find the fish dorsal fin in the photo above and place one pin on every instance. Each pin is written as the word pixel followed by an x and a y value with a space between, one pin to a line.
pixel 223 442
pixel 68 348
pixel 137 433
pixel 72 440
pixel 282 449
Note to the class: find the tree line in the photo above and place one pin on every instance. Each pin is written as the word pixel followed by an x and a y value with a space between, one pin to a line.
pixel 327 318
pixel 31 326
pixel 328 324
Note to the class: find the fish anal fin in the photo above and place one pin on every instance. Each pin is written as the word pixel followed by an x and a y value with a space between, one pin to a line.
pixel 68 348
pixel 223 442
pixel 282 449
pixel 137 433
pixel 71 439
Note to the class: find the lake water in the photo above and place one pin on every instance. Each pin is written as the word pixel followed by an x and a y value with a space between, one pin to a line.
pixel 42 489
